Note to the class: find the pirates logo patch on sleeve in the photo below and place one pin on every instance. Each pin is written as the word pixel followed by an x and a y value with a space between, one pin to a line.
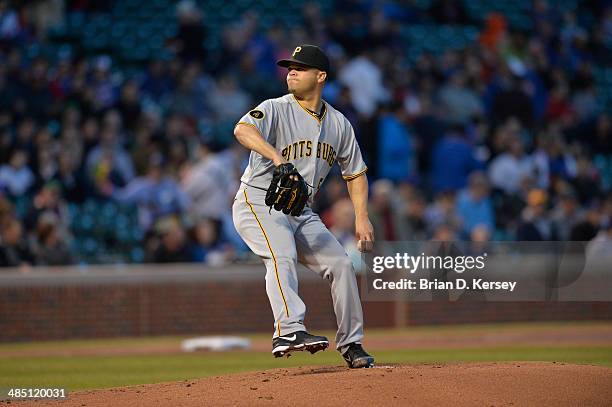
pixel 257 114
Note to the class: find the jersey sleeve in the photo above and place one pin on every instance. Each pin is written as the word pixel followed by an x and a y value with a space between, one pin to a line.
pixel 349 157
pixel 262 118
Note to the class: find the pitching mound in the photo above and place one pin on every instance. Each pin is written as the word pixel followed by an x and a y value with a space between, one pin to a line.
pixel 485 384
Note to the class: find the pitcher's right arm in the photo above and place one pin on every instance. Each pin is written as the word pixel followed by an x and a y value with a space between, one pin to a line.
pixel 249 136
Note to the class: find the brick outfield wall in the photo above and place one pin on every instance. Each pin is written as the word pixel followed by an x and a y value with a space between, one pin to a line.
pixel 190 300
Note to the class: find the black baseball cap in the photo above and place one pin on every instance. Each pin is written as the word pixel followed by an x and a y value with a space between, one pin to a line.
pixel 309 55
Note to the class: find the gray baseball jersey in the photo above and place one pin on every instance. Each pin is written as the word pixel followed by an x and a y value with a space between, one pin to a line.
pixel 312 143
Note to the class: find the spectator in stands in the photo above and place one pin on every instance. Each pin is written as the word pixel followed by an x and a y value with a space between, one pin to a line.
pixel 448 12
pixel 71 181
pixel 190 97
pixel 206 244
pixel 383 210
pixel 559 108
pixel 24 138
pixel 480 234
pixel 46 164
pixel 37 95
pixel 510 100
pixel 157 83
pixel 156 194
pixel 536 225
pixel 143 146
pixel 474 207
pixel 452 161
pixel 602 141
pixel 444 232
pixel 562 164
pixel 191 36
pixel 343 104
pixel 51 249
pixel 365 80
pixel 5 134
pixel 413 214
pixel 442 212
pixel 344 223
pixel 602 150
pixel 177 158
pixel 588 180
pixel 177 128
pixel 396 149
pixel 508 170
pixel 335 190
pixel 566 214
pixel 170 245
pixel 108 164
pixel 226 99
pixel 7 210
pixel 584 104
pixel 208 184
pixel 344 229
pixel 587 229
pixel 104 88
pixel 14 251
pixel 60 84
pixel 10 27
pixel 459 103
pixel 129 104
pixel 85 139
pixel 494 31
pixel 48 201
pixel 16 177
pixel 541 158
pixel 254 79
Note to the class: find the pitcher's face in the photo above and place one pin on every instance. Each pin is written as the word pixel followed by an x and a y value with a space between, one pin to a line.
pixel 302 79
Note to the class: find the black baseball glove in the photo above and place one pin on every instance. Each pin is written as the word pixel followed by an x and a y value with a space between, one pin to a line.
pixel 288 192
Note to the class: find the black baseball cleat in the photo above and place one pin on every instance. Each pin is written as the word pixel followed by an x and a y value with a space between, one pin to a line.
pixel 356 357
pixel 298 341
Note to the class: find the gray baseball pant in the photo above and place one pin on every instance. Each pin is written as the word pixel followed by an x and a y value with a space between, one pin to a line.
pixel 281 241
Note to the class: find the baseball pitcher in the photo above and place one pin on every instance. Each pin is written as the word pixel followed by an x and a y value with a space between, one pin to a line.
pixel 294 141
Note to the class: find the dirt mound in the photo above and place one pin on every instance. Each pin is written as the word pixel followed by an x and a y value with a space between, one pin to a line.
pixel 486 384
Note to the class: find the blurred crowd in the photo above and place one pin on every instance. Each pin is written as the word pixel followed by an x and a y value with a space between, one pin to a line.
pixel 503 140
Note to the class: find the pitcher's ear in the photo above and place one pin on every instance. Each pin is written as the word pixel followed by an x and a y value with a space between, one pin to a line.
pixel 322 76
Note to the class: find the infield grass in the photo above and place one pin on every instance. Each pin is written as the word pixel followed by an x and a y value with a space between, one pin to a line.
pixel 92 372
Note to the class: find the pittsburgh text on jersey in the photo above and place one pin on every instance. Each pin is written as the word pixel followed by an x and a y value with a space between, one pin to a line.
pixel 303 148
